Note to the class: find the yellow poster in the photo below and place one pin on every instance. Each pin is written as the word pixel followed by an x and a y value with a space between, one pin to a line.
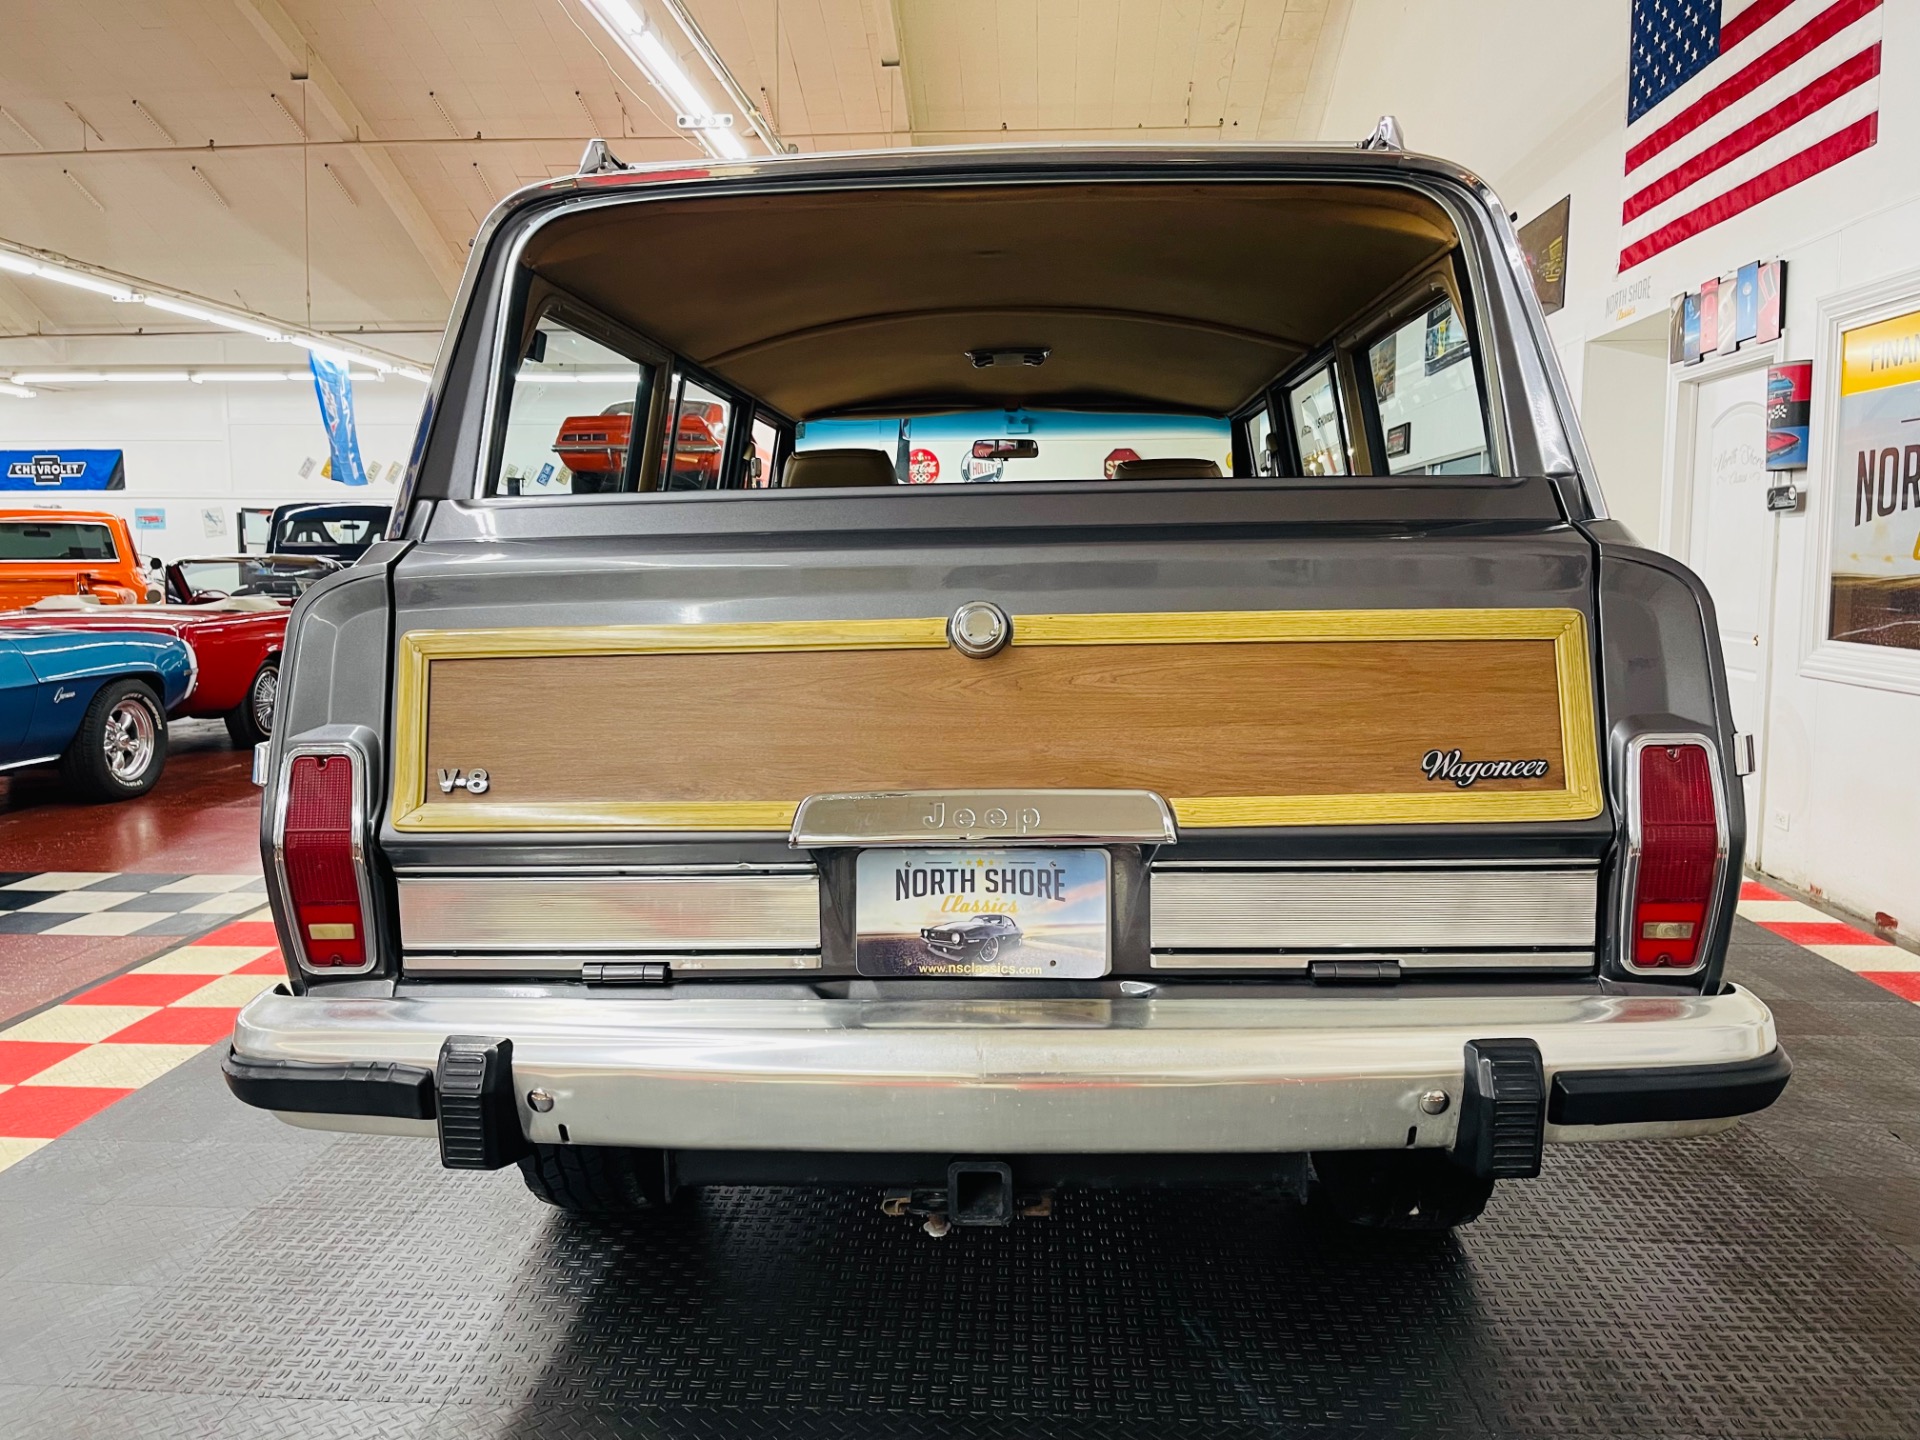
pixel 1875 558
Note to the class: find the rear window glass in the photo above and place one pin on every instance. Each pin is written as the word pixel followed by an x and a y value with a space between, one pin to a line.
pixel 55 540
pixel 1426 396
pixel 990 447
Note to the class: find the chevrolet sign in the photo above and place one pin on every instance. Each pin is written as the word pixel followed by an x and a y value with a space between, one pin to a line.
pixel 62 470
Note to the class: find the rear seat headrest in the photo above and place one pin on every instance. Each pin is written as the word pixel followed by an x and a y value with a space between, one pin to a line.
pixel 1167 470
pixel 837 470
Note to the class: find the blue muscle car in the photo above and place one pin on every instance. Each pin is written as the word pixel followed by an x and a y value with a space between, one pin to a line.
pixel 94 700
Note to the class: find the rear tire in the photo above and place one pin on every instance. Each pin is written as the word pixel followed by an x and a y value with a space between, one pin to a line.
pixel 250 723
pixel 121 746
pixel 1395 1190
pixel 596 1179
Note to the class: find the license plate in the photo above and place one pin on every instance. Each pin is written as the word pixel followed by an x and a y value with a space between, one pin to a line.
pixel 1035 914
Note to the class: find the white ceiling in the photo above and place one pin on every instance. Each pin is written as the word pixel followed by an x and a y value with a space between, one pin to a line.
pixel 148 135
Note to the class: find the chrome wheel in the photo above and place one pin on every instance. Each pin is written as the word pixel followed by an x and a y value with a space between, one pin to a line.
pixel 990 951
pixel 129 738
pixel 266 688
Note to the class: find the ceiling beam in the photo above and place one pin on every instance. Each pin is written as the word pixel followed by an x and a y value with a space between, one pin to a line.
pixel 291 46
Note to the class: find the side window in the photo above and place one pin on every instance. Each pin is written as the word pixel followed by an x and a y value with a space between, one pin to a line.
pixel 571 417
pixel 696 443
pixel 1426 394
pixel 1257 429
pixel 1313 410
pixel 762 455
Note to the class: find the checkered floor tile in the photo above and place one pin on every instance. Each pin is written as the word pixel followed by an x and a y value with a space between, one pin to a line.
pixel 90 902
pixel 74 1059
pixel 1866 954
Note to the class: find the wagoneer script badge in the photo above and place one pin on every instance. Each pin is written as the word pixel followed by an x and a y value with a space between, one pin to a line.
pixel 1447 765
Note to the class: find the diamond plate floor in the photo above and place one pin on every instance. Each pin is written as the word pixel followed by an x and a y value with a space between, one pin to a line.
pixel 182 1266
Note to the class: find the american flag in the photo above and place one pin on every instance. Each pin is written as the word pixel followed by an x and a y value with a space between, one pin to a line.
pixel 1730 102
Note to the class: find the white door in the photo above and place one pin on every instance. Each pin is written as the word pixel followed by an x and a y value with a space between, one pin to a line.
pixel 1730 544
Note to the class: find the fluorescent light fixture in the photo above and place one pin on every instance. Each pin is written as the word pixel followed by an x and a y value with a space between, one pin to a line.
pixel 7 387
pixel 145 377
pixel 409 372
pixel 59 377
pixel 244 377
pixel 324 351
pixel 659 64
pixel 213 317
pixel 79 281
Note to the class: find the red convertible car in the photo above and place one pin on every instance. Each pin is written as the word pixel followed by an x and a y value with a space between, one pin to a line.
pixel 232 612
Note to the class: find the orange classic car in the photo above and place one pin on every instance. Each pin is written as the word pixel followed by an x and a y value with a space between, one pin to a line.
pixel 69 552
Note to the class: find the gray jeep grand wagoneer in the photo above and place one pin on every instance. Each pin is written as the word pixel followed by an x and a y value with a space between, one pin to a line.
pixel 1187 553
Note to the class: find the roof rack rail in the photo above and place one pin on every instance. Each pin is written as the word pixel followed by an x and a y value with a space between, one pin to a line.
pixel 599 160
pixel 1386 136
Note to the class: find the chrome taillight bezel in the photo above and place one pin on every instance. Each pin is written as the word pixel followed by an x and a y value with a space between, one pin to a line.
pixel 359 813
pixel 1630 866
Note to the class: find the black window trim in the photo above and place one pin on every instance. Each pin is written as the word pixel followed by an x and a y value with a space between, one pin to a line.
pixel 1419 298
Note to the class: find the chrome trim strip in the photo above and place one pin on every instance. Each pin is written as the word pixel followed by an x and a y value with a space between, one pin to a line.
pixel 567 872
pixel 1502 863
pixel 22 764
pixel 1297 961
pixel 1346 910
pixel 778 1066
pixel 604 914
pixel 1002 817
pixel 1630 864
pixel 568 966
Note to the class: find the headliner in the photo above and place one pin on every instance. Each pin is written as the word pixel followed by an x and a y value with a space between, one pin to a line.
pixel 1178 295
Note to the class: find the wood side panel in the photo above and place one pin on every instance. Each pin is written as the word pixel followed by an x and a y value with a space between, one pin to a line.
pixel 1188 720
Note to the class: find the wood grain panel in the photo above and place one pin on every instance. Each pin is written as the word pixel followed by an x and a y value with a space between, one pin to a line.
pixel 1189 720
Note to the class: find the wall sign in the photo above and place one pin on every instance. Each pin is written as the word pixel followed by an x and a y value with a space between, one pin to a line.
pixel 149 519
pixel 1543 240
pixel 63 470
pixel 1789 397
pixel 1876 487
pixel 1727 312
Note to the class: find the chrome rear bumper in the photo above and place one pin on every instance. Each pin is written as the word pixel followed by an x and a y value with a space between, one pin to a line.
pixel 782 1068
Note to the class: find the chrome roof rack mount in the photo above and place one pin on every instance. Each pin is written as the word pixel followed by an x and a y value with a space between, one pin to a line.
pixel 1386 136
pixel 599 160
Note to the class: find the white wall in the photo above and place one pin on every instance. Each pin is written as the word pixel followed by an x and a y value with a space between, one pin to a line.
pixel 191 448
pixel 1538 106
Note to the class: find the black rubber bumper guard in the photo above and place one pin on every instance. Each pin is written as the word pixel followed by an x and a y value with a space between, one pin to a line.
pixel 1504 1109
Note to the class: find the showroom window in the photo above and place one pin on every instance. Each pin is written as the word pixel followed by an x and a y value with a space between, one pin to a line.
pixel 1426 396
pixel 571 416
pixel 1313 410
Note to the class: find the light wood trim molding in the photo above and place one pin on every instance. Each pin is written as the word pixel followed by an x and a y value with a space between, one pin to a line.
pixel 1580 799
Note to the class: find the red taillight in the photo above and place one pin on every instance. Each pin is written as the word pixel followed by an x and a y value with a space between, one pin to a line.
pixel 323 880
pixel 1679 857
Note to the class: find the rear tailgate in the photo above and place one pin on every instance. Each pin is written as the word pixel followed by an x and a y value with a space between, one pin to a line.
pixel 1377 734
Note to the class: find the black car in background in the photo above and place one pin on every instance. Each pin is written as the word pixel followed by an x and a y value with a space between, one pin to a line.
pixel 335 531
pixel 978 937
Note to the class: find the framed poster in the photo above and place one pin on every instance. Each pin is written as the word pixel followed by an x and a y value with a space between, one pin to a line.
pixel 1875 549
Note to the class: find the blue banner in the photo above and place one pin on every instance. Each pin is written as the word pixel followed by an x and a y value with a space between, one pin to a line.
pixel 62 470
pixel 335 388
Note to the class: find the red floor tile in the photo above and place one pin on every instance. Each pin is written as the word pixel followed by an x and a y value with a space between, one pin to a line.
pixel 1904 983
pixel 242 932
pixel 185 1025
pixel 44 1112
pixel 265 965
pixel 21 1058
pixel 1815 932
pixel 140 990
pixel 1749 890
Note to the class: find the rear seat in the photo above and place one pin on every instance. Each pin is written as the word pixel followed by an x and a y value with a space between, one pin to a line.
pixel 837 470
